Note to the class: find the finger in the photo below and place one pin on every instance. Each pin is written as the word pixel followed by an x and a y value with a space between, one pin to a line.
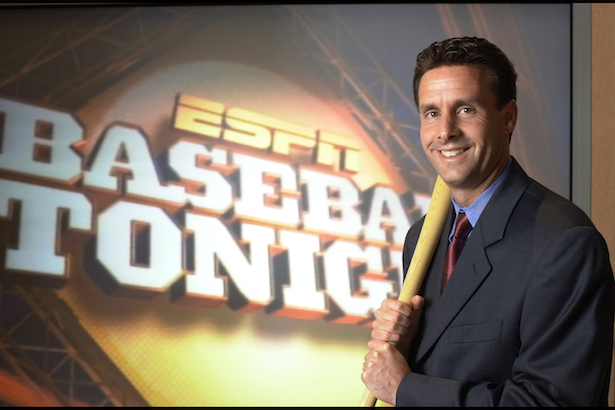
pixel 396 306
pixel 391 321
pixel 417 303
pixel 374 344
pixel 384 336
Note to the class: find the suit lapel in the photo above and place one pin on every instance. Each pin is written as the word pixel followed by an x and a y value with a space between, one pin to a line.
pixel 473 265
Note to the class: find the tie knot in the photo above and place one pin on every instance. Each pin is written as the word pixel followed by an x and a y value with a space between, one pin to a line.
pixel 463 226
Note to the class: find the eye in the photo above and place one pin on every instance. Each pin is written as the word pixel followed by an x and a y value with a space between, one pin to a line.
pixel 431 114
pixel 466 110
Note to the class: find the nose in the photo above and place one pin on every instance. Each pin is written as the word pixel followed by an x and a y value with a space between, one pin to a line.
pixel 448 127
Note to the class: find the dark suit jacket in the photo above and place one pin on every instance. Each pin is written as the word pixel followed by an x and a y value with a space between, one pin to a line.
pixel 527 316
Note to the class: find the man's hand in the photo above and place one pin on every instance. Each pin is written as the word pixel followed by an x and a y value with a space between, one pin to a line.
pixel 385 366
pixel 383 370
pixel 396 322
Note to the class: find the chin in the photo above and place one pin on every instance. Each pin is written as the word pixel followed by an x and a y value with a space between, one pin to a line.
pixel 453 178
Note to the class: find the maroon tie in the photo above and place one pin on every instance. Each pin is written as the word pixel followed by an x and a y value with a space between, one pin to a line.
pixel 462 229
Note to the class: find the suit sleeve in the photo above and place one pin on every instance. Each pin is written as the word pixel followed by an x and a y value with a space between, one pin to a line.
pixel 566 333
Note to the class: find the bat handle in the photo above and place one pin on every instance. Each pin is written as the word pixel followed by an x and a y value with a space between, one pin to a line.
pixel 368 399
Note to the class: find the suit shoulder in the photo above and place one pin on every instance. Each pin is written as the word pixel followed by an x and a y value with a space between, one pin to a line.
pixel 413 233
pixel 555 208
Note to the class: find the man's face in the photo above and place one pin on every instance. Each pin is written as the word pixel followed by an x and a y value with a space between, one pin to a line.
pixel 463 134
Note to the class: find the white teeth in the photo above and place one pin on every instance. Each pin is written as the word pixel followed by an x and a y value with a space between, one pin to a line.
pixel 452 153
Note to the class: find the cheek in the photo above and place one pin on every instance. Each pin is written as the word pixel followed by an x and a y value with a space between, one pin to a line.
pixel 427 136
pixel 494 147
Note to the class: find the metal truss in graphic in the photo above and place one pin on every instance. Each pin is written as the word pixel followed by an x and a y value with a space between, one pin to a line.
pixel 385 112
pixel 64 64
pixel 48 359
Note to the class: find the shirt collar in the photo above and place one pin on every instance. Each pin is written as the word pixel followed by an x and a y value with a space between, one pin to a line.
pixel 474 211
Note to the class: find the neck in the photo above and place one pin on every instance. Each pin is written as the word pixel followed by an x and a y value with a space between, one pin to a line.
pixel 464 198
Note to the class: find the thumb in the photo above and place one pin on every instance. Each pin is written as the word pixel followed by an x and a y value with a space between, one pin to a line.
pixel 417 303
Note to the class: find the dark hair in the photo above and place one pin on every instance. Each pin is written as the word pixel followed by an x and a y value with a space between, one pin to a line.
pixel 474 51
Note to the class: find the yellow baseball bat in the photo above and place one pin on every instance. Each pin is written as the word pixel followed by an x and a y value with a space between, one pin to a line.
pixel 438 210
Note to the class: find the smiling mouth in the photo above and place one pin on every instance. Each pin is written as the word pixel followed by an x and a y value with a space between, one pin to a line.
pixel 453 153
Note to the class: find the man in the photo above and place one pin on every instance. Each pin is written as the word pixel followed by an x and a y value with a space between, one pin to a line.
pixel 526 316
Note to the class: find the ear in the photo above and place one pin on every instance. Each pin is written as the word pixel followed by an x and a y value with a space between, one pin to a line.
pixel 510 116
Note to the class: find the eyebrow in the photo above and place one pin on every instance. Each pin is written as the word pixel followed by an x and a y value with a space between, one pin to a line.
pixel 427 107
